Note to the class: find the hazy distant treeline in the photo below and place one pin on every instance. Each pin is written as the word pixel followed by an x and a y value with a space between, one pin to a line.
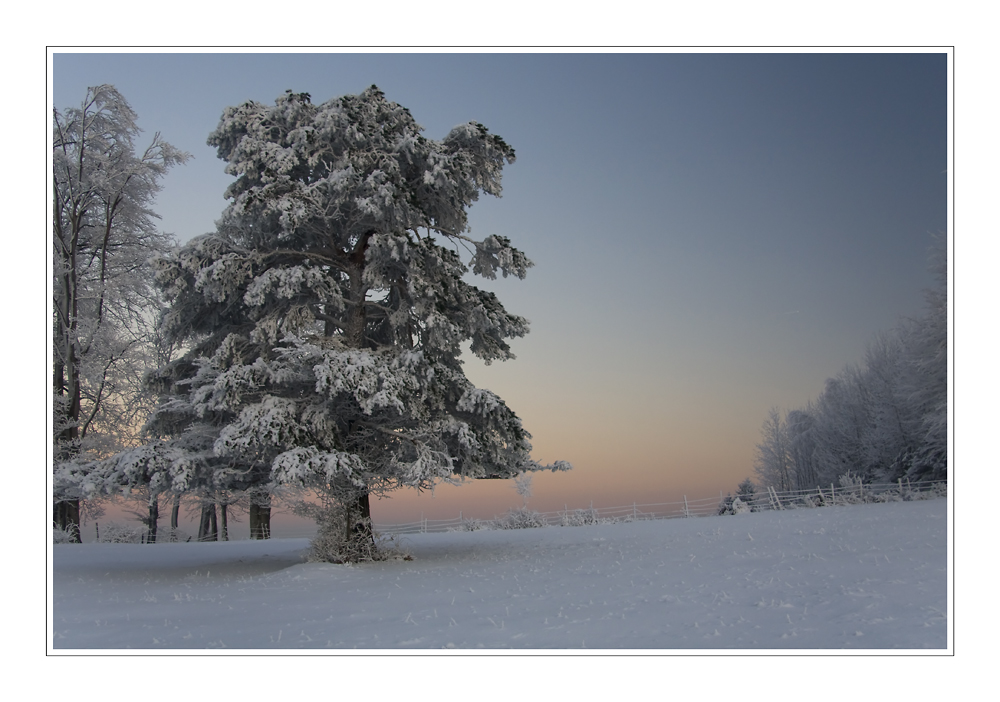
pixel 883 419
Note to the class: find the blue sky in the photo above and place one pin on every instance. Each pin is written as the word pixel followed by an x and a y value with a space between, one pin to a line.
pixel 713 234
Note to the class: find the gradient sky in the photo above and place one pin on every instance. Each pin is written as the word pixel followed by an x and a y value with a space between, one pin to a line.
pixel 713 234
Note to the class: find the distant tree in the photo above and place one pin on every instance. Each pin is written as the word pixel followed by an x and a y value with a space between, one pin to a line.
pixel 845 413
pixel 324 319
pixel 772 462
pixel 746 491
pixel 924 381
pixel 894 422
pixel 799 426
pixel 104 307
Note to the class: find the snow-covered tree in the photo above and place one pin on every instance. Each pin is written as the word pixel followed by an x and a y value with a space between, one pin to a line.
pixel 894 427
pixel 844 418
pixel 924 381
pixel 772 462
pixel 104 307
pixel 802 447
pixel 325 318
pixel 882 420
pixel 746 490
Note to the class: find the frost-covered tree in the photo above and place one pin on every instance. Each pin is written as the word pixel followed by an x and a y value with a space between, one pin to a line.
pixel 879 421
pixel 325 318
pixel 924 381
pixel 772 461
pixel 844 419
pixel 104 306
pixel 746 490
pixel 802 447
pixel 894 424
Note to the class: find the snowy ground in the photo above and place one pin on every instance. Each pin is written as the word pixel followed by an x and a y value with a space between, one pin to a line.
pixel 850 577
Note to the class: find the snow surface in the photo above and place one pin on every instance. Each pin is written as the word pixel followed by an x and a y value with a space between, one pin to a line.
pixel 852 577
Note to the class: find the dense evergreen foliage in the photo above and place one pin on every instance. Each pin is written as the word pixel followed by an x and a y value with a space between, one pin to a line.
pixel 324 320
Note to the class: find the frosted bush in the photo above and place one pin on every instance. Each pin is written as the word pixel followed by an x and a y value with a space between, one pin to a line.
pixel 851 489
pixel 849 480
pixel 580 517
pixel 936 490
pixel 332 544
pixel 62 536
pixel 473 525
pixel 116 533
pixel 735 505
pixel 519 519
pixel 176 535
pixel 807 501
pixel 892 496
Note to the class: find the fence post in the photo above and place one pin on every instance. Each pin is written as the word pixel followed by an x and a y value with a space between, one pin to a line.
pixel 633 510
pixel 686 512
pixel 775 501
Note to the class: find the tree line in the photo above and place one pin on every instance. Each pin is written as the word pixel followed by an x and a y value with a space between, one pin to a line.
pixel 881 420
pixel 104 309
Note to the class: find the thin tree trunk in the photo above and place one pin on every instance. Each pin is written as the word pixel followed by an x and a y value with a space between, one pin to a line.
pixel 154 517
pixel 67 385
pixel 224 535
pixel 207 530
pixel 260 517
pixel 66 515
pixel 174 514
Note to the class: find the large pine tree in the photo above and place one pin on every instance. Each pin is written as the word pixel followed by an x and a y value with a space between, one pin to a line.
pixel 325 317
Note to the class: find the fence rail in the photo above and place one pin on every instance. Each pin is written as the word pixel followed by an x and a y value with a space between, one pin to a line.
pixel 764 500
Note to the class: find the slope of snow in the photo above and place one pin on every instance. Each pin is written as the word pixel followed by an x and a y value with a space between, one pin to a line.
pixel 852 577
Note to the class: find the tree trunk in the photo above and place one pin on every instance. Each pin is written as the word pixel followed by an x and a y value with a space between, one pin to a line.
pixel 362 527
pixel 66 513
pixel 66 516
pixel 207 530
pixel 225 521
pixel 260 518
pixel 154 517
pixel 174 514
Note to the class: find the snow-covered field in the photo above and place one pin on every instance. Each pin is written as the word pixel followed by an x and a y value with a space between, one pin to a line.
pixel 850 577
